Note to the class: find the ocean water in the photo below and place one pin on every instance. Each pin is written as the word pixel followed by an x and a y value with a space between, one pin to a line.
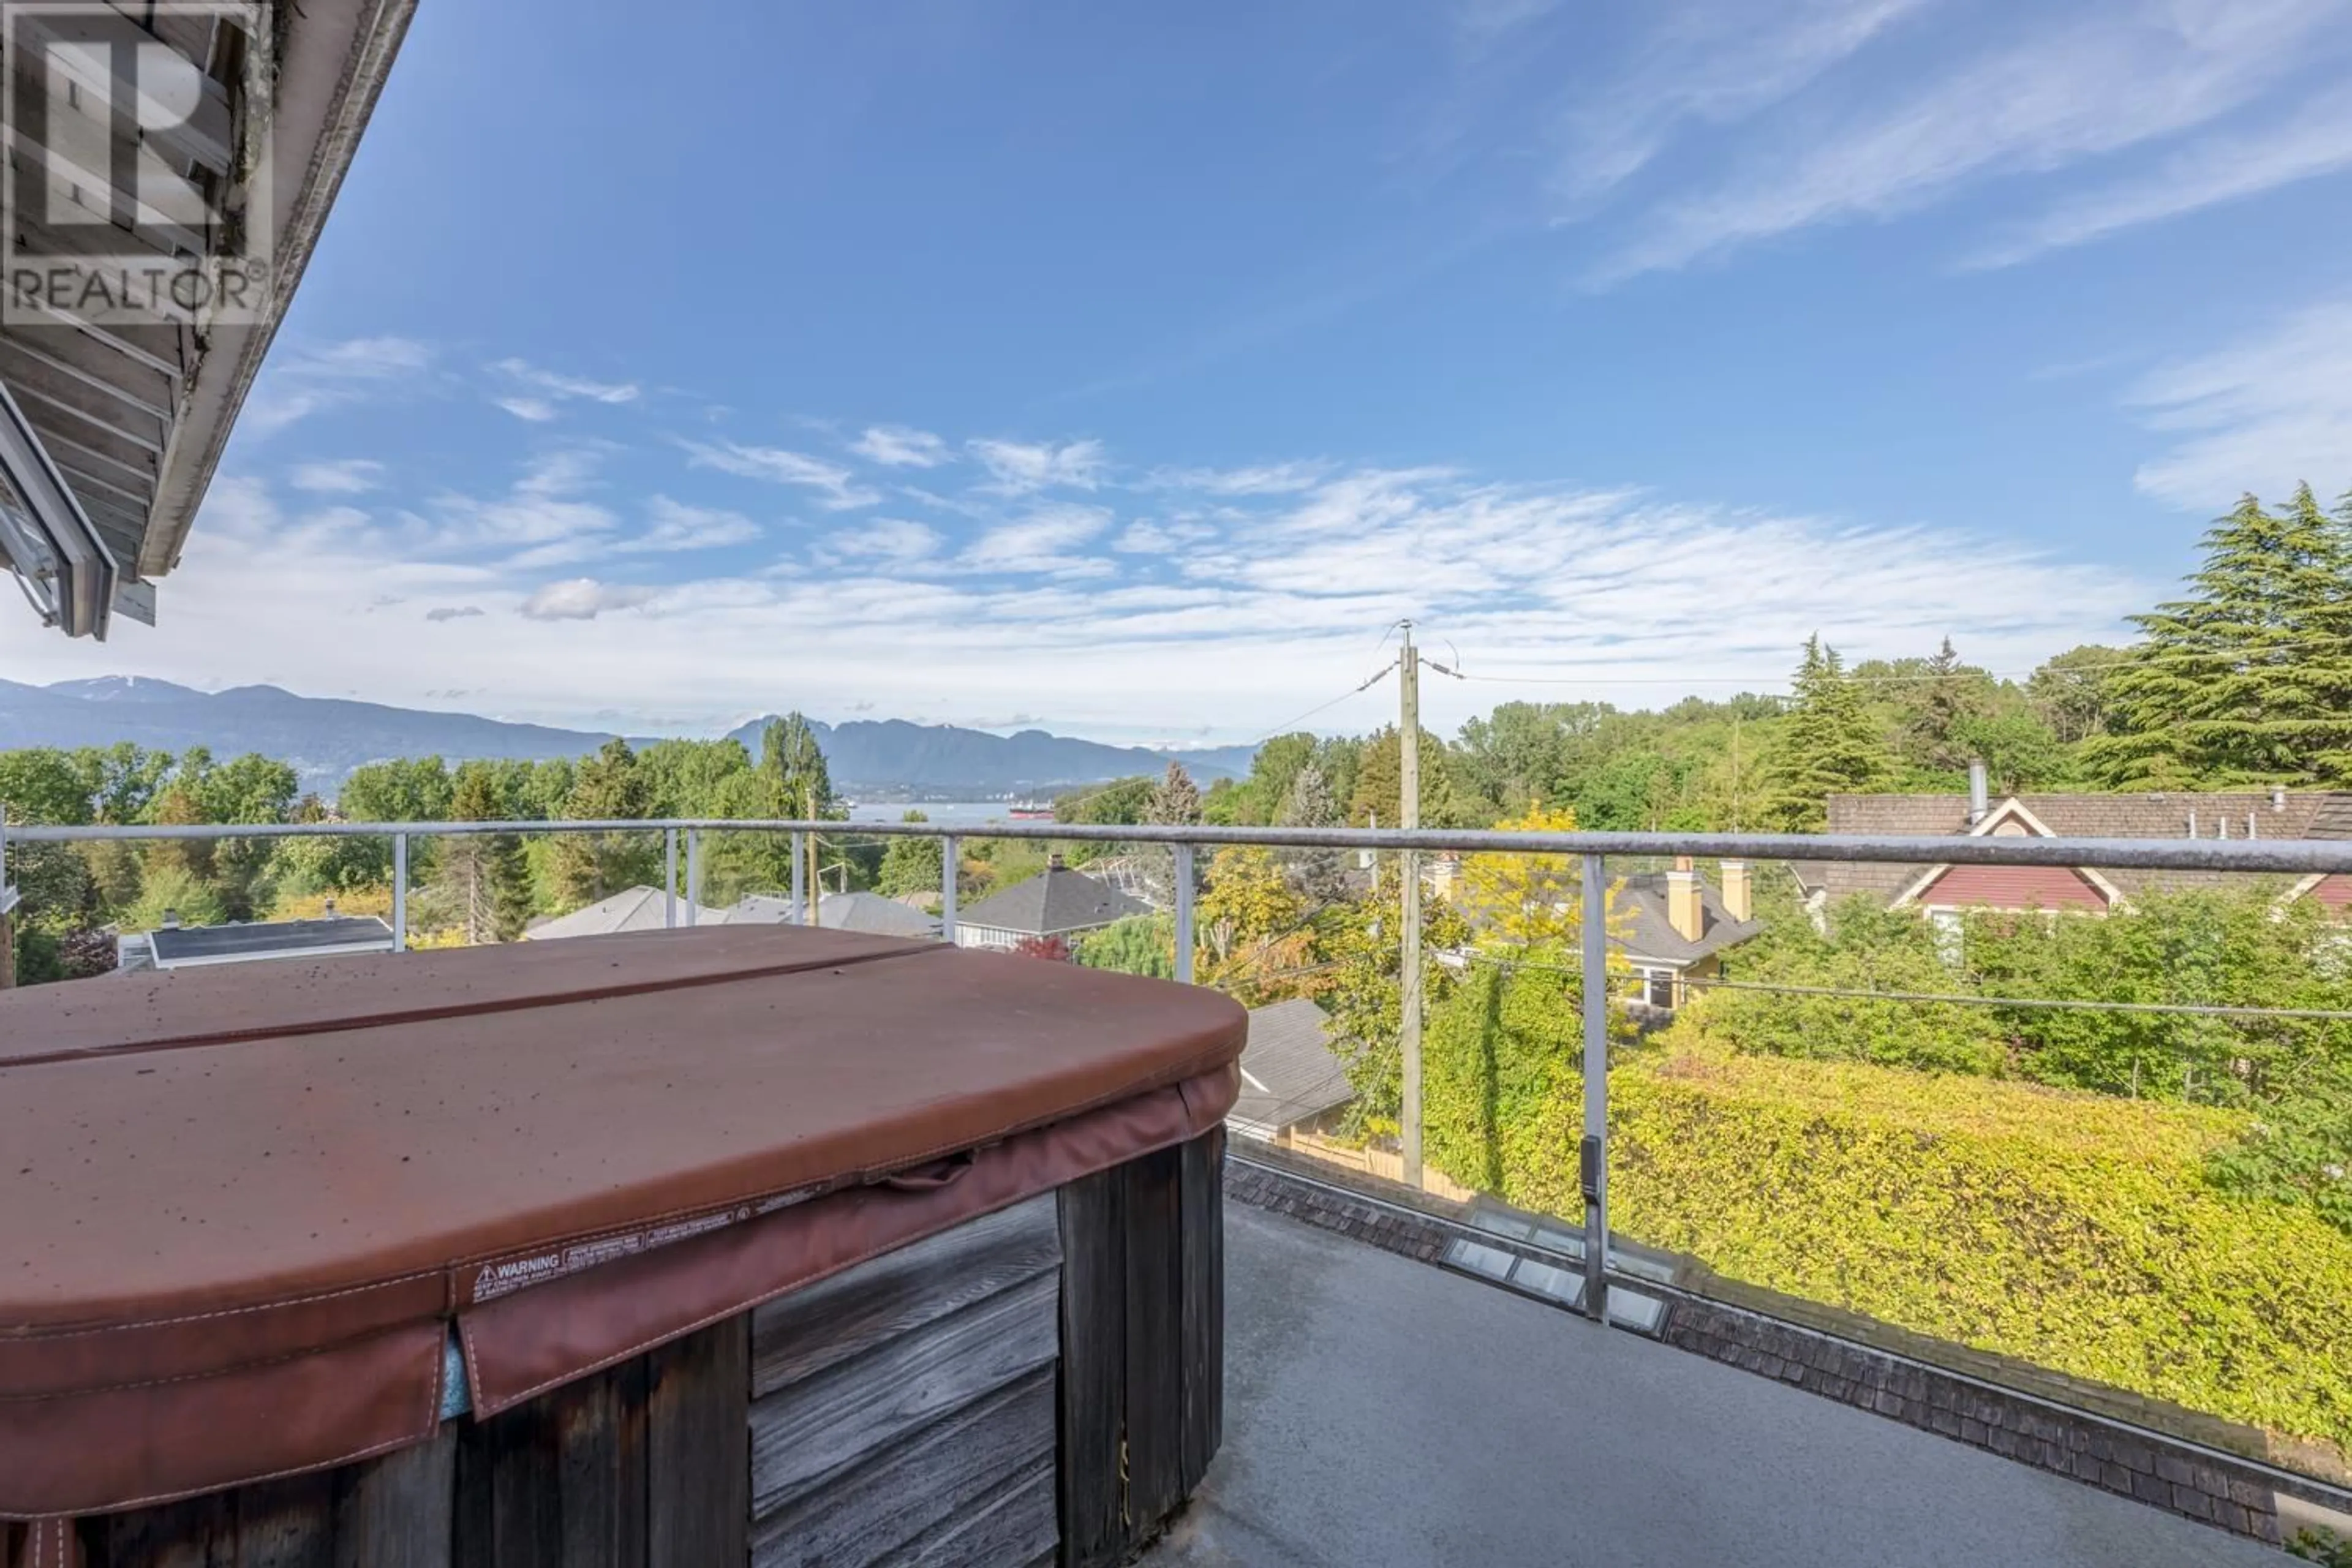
pixel 954 813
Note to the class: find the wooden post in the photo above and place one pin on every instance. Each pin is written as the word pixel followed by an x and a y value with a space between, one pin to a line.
pixel 1143 1297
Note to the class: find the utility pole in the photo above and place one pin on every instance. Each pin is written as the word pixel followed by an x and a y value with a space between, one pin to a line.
pixel 815 860
pixel 1409 968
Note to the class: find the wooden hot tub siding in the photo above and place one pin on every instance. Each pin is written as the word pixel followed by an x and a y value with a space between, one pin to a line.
pixel 964 1400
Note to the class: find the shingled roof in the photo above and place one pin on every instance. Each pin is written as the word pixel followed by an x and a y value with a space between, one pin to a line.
pixel 2294 814
pixel 1639 926
pixel 1056 902
pixel 1290 1074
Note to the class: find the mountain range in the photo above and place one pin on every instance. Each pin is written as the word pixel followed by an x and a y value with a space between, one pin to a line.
pixel 326 737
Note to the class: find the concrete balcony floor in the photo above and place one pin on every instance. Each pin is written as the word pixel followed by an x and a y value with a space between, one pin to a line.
pixel 1382 1411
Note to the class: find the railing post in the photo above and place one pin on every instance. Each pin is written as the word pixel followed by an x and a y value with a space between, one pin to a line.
pixel 1184 914
pixel 669 879
pixel 1409 1008
pixel 1593 1160
pixel 693 873
pixel 947 866
pixel 800 878
pixel 7 908
pixel 400 892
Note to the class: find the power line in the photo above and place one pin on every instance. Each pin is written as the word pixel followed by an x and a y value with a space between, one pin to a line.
pixel 1288 724
pixel 1961 999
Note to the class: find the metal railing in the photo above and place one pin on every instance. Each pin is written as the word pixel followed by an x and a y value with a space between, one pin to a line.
pixel 2298 857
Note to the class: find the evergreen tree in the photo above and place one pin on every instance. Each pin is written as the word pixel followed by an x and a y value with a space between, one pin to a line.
pixel 1951 694
pixel 1175 802
pixel 1828 745
pixel 1380 786
pixel 909 865
pixel 1319 875
pixel 484 875
pixel 791 757
pixel 587 866
pixel 2249 680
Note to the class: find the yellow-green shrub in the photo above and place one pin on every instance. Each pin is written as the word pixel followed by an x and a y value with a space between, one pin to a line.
pixel 2072 1231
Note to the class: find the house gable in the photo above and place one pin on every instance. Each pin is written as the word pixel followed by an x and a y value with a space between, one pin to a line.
pixel 1947 886
pixel 2011 888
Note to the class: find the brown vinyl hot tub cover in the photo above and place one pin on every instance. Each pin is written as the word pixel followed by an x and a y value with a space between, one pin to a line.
pixel 241 1208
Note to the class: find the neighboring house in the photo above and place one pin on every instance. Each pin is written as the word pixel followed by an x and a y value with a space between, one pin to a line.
pixel 1674 927
pixel 1942 890
pixel 175 946
pixel 1060 902
pixel 868 912
pixel 1291 1082
pixel 634 908
pixel 1670 928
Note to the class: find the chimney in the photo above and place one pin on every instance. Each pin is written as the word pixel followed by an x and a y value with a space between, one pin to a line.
pixel 171 920
pixel 1980 802
pixel 328 906
pixel 2278 800
pixel 1053 862
pixel 1739 902
pixel 1682 911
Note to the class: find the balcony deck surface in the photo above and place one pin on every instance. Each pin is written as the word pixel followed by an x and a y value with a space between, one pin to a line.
pixel 1383 1411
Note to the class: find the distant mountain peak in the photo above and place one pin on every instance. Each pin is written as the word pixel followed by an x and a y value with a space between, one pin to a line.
pixel 124 689
pixel 326 737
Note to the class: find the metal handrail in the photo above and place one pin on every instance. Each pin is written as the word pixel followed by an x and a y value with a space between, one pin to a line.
pixel 2291 857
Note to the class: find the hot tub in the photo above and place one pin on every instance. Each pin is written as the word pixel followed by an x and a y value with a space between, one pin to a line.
pixel 688 1248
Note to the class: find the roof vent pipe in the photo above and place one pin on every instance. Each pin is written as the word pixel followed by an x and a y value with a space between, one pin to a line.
pixel 2278 800
pixel 2251 831
pixel 2192 825
pixel 1979 805
pixel 171 920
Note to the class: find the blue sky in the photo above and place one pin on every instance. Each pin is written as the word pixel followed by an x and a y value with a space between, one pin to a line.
pixel 1130 371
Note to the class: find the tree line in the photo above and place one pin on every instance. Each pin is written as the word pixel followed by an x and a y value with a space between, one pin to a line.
pixel 465 888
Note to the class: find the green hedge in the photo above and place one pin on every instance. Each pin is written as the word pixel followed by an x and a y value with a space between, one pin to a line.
pixel 2073 1231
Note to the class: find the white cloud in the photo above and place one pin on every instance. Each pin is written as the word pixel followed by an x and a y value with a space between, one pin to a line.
pixel 1707 63
pixel 678 526
pixel 2263 414
pixel 897 447
pixel 1044 543
pixel 583 599
pixel 1017 467
pixel 348 476
pixel 1144 536
pixel 546 506
pixel 1267 604
pixel 888 538
pixel 558 385
pixel 1263 480
pixel 2082 87
pixel 307 381
pixel 536 410
pixel 838 487
pixel 2316 141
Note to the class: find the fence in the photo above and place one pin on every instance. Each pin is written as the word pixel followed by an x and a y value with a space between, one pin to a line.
pixel 1590 852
